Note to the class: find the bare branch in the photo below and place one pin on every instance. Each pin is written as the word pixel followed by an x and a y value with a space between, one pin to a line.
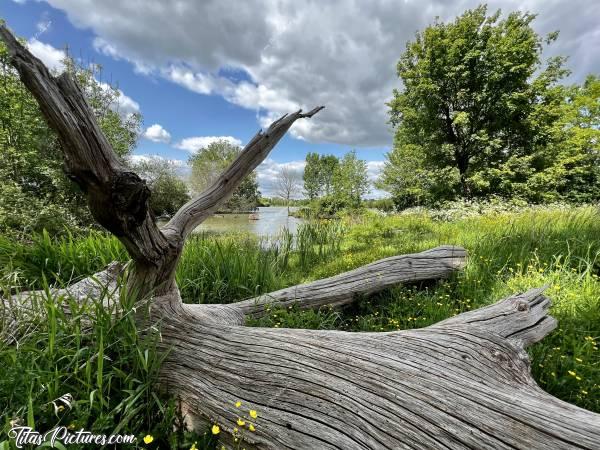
pixel 342 289
pixel 200 208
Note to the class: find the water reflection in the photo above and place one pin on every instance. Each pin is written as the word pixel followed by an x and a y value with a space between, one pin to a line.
pixel 269 222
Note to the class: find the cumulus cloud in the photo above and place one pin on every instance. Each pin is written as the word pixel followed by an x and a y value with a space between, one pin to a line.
pixel 148 157
pixel 52 57
pixel 156 133
pixel 195 143
pixel 341 53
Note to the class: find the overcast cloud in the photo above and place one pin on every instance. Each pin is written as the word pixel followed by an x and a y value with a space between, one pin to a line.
pixel 341 54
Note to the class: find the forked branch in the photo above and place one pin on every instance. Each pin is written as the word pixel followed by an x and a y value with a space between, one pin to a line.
pixel 200 208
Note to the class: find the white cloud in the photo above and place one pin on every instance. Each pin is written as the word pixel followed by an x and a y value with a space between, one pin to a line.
pixel 148 157
pixel 341 54
pixel 374 169
pixel 195 143
pixel 50 56
pixel 156 133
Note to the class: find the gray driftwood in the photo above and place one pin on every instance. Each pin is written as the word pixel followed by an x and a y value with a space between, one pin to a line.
pixel 462 383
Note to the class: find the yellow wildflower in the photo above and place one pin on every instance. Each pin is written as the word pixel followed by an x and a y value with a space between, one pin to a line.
pixel 215 429
pixel 238 404
pixel 251 427
pixel 253 413
pixel 148 439
pixel 193 447
pixel 240 422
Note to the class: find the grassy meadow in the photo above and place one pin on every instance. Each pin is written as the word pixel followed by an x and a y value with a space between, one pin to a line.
pixel 109 368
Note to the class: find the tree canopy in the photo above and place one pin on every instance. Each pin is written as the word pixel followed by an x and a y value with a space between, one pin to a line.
pixel 169 191
pixel 480 114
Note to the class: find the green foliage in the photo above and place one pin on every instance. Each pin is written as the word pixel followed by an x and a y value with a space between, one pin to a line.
pixel 169 191
pixel 108 367
pixel 334 185
pixel 210 162
pixel 60 259
pixel 350 180
pixel 223 269
pixel 480 115
pixel 34 191
pixel 319 174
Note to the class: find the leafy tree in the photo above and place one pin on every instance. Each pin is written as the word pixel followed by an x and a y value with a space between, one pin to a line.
pixel 471 101
pixel 169 191
pixel 318 174
pixel 350 180
pixel 311 177
pixel 577 137
pixel 207 165
pixel 31 174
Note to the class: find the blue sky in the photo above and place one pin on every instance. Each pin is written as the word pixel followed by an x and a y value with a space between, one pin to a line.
pixel 223 68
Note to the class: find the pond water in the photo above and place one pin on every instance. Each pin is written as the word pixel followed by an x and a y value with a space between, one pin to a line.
pixel 269 222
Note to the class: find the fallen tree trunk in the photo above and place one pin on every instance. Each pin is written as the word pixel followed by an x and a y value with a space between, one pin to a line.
pixel 462 383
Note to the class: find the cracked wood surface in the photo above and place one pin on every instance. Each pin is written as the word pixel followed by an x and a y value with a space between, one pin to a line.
pixel 462 383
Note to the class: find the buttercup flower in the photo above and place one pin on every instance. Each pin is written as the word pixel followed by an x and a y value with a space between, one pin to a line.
pixel 251 427
pixel 238 404
pixel 148 439
pixel 253 413
pixel 240 422
pixel 215 429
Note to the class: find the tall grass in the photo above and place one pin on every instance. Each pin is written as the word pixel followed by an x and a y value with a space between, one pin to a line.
pixel 58 259
pixel 106 365
pixel 223 269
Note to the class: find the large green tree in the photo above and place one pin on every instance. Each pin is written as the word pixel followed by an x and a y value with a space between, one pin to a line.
pixel 472 98
pixel 207 165
pixel 34 191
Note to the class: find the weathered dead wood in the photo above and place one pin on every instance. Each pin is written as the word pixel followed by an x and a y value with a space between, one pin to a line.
pixel 462 383
pixel 341 289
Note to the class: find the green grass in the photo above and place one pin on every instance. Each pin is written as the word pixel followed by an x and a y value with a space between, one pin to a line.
pixel 108 367
pixel 508 252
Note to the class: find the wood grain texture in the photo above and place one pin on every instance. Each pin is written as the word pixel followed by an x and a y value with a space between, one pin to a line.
pixel 464 383
pixel 341 289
